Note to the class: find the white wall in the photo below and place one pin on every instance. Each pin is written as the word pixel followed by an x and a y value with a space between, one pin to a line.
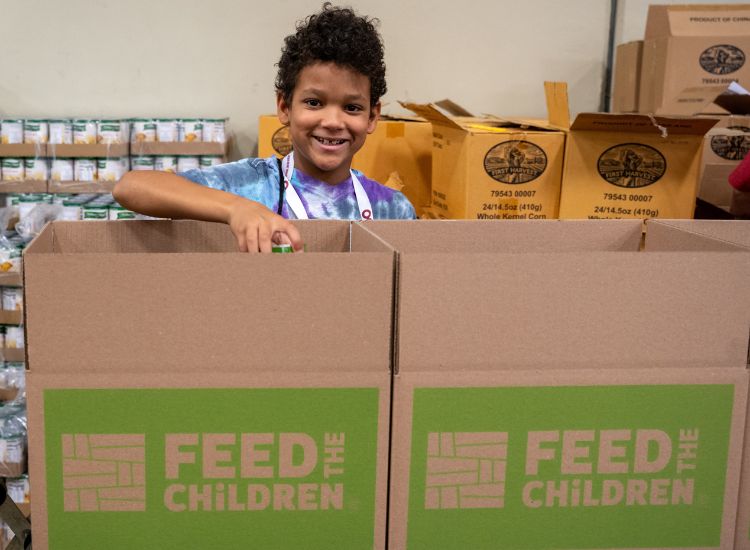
pixel 197 58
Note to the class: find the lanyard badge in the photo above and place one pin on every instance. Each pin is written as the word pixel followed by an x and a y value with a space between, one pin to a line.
pixel 295 203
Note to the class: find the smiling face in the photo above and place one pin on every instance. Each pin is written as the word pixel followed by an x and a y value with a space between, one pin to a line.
pixel 329 117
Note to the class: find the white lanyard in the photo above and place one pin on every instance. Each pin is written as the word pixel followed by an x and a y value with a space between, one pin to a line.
pixel 295 203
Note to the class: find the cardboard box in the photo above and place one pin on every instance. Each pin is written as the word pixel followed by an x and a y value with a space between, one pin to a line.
pixel 490 168
pixel 632 166
pixel 627 78
pixel 196 148
pixel 398 154
pixel 692 45
pixel 170 375
pixel 22 150
pixel 727 233
pixel 529 385
pixel 97 150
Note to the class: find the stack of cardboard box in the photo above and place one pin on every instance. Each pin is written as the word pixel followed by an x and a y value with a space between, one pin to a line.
pixel 554 382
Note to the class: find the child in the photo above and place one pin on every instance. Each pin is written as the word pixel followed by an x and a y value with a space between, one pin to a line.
pixel 328 88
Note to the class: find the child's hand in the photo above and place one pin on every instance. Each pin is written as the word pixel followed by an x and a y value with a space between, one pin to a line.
pixel 255 227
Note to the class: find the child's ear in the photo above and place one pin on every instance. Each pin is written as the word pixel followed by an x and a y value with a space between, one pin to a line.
pixel 282 109
pixel 374 117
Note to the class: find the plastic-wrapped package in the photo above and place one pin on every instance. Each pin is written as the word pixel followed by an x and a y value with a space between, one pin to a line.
pixel 12 440
pixel 31 225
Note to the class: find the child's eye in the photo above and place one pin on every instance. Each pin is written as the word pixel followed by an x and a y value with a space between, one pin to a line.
pixel 353 108
pixel 312 102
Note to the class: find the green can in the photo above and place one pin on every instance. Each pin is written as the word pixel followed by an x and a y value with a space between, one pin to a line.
pixel 282 248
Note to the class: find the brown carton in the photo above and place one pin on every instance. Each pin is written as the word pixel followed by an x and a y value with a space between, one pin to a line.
pixel 692 45
pixel 397 154
pixel 555 386
pixel 632 166
pixel 727 233
pixel 175 383
pixel 627 77
pixel 490 168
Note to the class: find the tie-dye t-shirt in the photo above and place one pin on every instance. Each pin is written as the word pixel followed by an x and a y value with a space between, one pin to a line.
pixel 258 180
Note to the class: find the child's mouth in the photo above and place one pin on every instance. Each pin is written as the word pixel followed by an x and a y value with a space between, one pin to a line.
pixel 329 142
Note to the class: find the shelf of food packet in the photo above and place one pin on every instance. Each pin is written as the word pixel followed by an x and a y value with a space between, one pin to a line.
pixel 101 150
pixel 56 187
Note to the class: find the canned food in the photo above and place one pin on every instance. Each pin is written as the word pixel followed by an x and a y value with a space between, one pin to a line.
pixel 214 129
pixel 60 131
pixel 18 489
pixel 35 131
pixel 95 212
pixel 124 131
pixel 109 131
pixel 12 169
pixel 11 131
pixel 62 169
pixel 84 132
pixel 190 129
pixel 207 162
pixel 142 163
pixel 36 169
pixel 14 337
pixel 59 198
pixel 110 169
pixel 166 129
pixel 187 163
pixel 27 203
pixel 84 169
pixel 12 298
pixel 71 210
pixel 165 164
pixel 118 212
pixel 142 129
pixel 283 248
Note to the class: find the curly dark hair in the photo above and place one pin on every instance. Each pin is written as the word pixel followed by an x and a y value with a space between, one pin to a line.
pixel 337 35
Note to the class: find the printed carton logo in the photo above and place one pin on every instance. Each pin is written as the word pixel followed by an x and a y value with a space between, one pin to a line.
pixel 240 472
pixel 584 465
pixel 466 470
pixel 732 147
pixel 722 59
pixel 281 141
pixel 631 165
pixel 515 162
pixel 104 472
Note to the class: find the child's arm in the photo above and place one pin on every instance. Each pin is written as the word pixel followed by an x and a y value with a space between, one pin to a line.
pixel 166 195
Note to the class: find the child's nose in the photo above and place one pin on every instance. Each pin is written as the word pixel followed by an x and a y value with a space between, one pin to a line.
pixel 333 118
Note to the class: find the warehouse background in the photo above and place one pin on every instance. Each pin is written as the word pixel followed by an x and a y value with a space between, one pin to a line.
pixel 104 58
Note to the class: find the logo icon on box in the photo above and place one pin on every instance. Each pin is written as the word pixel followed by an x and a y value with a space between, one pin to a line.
pixel 515 162
pixel 104 472
pixel 631 165
pixel 722 59
pixel 732 147
pixel 466 470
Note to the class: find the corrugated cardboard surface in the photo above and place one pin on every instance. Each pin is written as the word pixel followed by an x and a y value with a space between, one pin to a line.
pixel 126 306
pixel 493 168
pixel 535 524
pixel 584 307
pixel 627 77
pixel 726 233
pixel 692 45
pixel 630 166
pixel 208 304
pixel 398 153
pixel 200 530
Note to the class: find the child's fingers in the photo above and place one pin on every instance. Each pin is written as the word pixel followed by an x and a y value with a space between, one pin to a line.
pixel 251 237
pixel 264 237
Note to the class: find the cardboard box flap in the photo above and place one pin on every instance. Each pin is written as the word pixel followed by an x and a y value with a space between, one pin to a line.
pixel 699 234
pixel 558 110
pixel 184 311
pixel 642 124
pixel 710 100
pixel 431 114
pixel 453 108
pixel 433 236
pixel 570 311
pixel 698 20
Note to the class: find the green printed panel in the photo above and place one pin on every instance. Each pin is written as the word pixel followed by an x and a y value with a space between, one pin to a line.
pixel 569 467
pixel 211 468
